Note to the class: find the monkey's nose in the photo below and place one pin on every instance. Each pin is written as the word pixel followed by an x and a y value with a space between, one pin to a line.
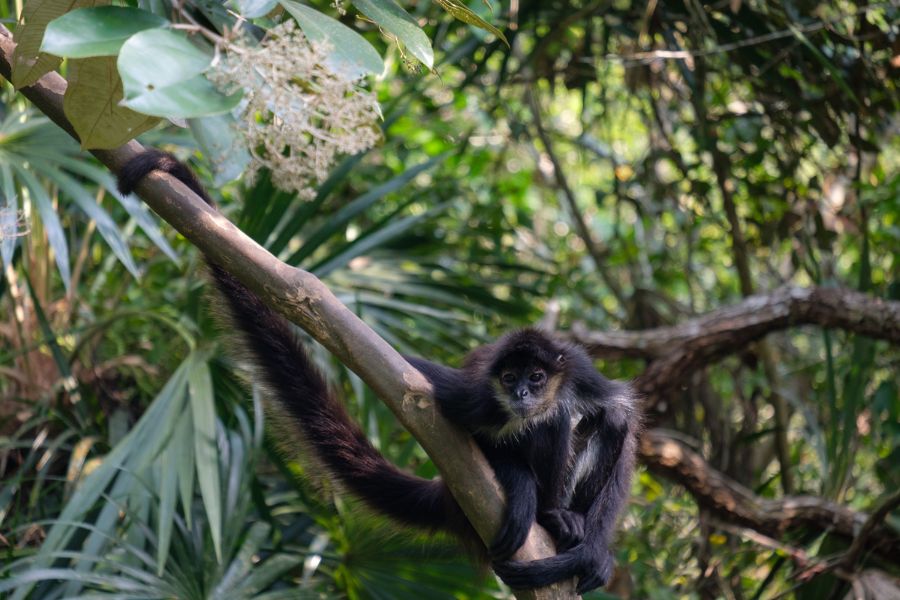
pixel 522 393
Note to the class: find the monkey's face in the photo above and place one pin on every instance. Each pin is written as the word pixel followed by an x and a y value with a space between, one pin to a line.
pixel 527 390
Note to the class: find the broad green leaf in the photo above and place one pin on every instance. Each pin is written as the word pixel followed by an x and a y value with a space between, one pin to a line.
pixel 28 63
pixel 391 17
pixel 98 31
pixel 463 13
pixel 159 58
pixel 92 105
pixel 350 53
pixel 252 9
pixel 222 145
pixel 203 410
pixel 196 97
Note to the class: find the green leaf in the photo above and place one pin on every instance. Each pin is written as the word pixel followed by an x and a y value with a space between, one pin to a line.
pixel 159 58
pixel 92 105
pixel 105 224
pixel 50 338
pixel 340 219
pixel 98 31
pixel 350 53
pixel 242 563
pixel 827 64
pixel 141 444
pixel 183 443
pixel 222 145
pixel 265 574
pixel 203 411
pixel 463 13
pixel 374 239
pixel 161 74
pixel 251 9
pixel 28 63
pixel 50 220
pixel 168 474
pixel 196 97
pixel 9 215
pixel 135 208
pixel 391 17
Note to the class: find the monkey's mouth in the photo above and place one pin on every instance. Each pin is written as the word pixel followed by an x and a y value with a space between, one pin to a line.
pixel 523 410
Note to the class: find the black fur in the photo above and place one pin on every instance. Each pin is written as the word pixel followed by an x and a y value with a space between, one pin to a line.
pixel 517 397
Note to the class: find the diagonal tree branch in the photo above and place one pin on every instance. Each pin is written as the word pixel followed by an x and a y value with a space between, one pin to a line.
pixel 306 301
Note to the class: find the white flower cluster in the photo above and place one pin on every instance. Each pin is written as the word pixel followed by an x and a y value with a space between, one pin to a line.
pixel 297 113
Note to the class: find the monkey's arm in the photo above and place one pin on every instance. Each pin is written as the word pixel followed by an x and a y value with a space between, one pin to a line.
pixel 520 488
pixel 458 399
pixel 550 456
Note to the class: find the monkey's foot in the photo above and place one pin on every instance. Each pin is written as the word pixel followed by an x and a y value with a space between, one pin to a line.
pixel 566 527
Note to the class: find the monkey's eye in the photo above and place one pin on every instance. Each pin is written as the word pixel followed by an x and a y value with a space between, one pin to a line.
pixel 508 378
pixel 537 377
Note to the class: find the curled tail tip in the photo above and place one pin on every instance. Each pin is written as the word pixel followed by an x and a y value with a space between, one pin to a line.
pixel 138 166
pixel 141 165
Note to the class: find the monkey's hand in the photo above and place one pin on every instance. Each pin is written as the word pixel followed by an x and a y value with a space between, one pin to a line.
pixel 566 527
pixel 597 570
pixel 512 534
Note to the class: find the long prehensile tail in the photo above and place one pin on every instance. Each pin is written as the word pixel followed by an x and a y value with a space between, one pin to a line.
pixel 292 381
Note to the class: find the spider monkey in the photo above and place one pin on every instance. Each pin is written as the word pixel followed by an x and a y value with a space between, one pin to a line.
pixel 560 437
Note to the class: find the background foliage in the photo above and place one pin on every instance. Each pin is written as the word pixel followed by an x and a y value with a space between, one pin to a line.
pixel 618 165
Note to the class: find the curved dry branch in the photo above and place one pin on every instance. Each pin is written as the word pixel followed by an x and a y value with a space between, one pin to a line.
pixel 734 503
pixel 306 301
pixel 731 328
pixel 728 330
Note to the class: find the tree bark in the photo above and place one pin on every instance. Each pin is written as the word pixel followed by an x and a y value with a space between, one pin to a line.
pixel 727 329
